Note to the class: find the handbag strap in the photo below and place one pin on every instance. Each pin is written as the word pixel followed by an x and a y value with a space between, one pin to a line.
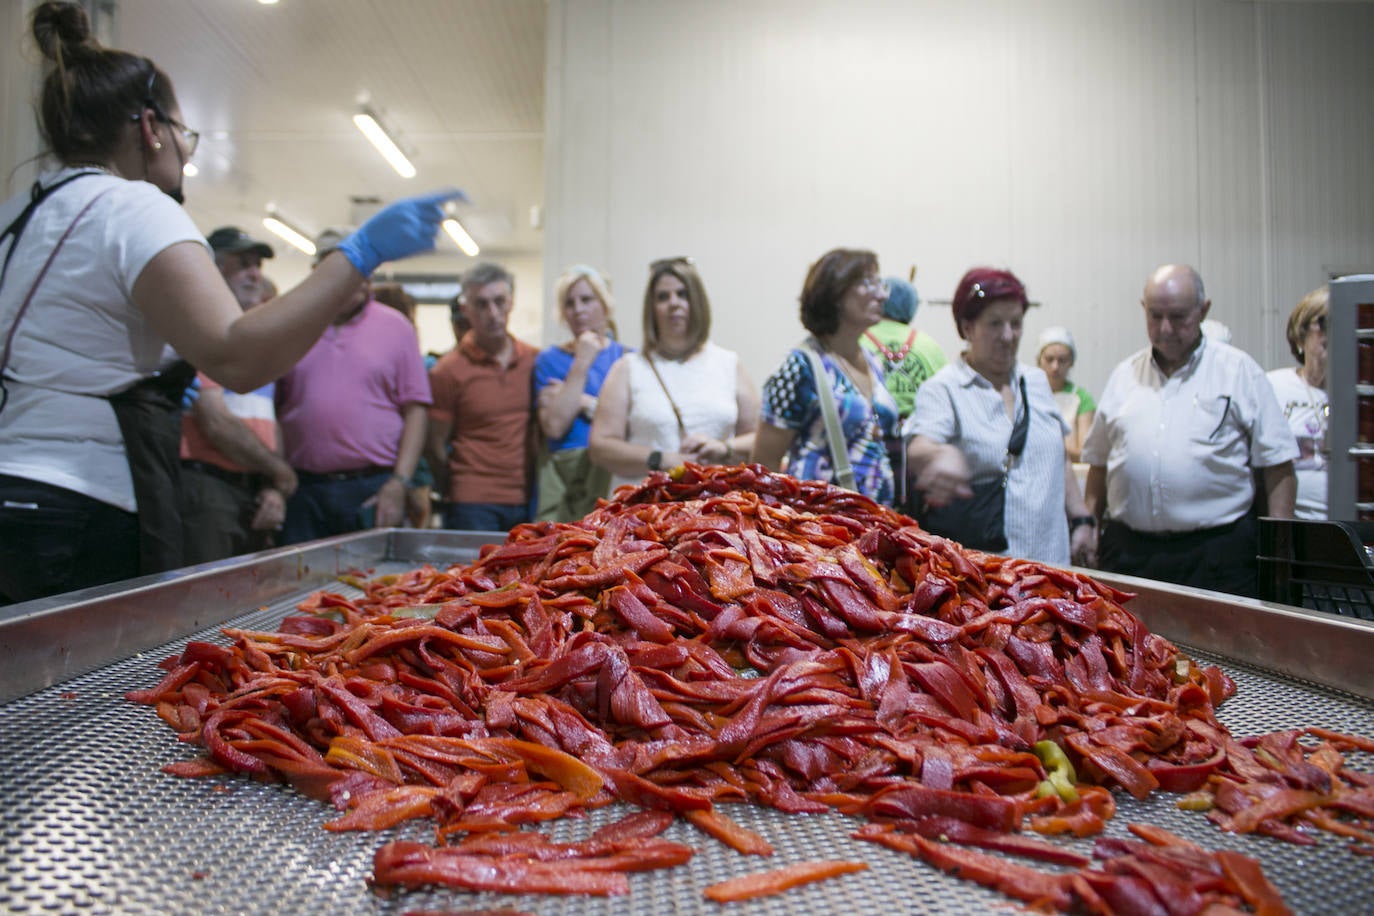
pixel 1020 431
pixel 681 427
pixel 839 455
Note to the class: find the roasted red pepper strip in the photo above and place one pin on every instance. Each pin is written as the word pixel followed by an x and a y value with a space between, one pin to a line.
pixel 738 838
pixel 767 883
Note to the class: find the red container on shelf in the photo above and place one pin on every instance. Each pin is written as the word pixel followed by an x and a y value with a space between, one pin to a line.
pixel 1364 314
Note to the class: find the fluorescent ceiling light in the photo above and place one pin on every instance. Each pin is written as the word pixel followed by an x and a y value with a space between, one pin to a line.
pixel 268 2
pixel 378 137
pixel 293 236
pixel 460 237
pixel 190 170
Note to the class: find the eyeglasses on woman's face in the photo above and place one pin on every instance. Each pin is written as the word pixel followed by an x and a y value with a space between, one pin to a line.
pixel 875 285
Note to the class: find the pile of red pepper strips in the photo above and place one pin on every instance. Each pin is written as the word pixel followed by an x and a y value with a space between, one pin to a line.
pixel 729 635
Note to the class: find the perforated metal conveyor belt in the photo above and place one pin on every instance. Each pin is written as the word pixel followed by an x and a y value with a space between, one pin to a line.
pixel 92 826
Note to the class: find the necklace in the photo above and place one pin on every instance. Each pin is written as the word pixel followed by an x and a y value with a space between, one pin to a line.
pixel 1320 408
pixel 854 373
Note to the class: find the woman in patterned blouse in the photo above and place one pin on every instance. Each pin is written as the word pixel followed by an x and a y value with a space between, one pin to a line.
pixel 842 297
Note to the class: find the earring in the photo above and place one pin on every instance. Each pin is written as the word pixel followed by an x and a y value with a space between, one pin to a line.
pixel 157 145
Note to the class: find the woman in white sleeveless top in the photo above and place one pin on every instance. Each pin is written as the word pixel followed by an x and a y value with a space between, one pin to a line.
pixel 681 398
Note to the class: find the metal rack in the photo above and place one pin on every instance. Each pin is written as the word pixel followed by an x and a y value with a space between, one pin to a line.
pixel 92 826
pixel 1350 326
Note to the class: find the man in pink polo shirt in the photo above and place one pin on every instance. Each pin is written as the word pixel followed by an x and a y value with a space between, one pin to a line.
pixel 481 429
pixel 352 415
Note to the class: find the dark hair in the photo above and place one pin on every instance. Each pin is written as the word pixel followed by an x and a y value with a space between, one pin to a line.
pixel 698 305
pixel 980 286
pixel 91 93
pixel 394 295
pixel 827 282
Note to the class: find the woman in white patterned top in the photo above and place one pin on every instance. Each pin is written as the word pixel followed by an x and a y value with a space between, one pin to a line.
pixel 1301 393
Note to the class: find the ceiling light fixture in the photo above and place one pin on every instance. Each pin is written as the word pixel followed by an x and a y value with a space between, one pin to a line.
pixel 284 230
pixel 460 237
pixel 371 127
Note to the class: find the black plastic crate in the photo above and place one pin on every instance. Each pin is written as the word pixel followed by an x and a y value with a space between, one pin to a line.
pixel 1320 565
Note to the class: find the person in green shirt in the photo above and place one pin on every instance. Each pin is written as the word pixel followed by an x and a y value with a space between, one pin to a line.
pixel 909 356
pixel 1056 356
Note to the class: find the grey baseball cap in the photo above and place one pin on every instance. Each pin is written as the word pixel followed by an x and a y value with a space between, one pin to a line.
pixel 233 239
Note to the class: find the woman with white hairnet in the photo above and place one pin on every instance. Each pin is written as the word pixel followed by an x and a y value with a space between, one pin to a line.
pixel 1056 357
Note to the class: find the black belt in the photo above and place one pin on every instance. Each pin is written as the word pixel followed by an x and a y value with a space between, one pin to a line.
pixel 245 479
pixel 354 474
pixel 1162 537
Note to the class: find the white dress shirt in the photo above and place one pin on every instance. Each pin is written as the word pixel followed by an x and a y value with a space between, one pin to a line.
pixel 1179 450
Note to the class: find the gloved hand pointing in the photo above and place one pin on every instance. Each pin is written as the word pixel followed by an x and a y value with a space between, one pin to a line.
pixel 398 230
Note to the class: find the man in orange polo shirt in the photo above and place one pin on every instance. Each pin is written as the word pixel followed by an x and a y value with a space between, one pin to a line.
pixel 481 429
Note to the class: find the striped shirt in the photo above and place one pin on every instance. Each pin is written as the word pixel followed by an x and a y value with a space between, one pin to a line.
pixel 957 406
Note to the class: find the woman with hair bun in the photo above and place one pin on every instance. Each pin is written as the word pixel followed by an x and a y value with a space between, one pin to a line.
pixel 567 380
pixel 101 271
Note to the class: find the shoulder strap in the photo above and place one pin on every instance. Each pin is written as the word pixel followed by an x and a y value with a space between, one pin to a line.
pixel 1020 430
pixel 43 271
pixel 681 427
pixel 839 455
pixel 37 195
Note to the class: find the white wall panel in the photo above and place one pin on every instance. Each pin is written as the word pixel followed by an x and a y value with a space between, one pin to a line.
pixel 1079 142
pixel 1319 98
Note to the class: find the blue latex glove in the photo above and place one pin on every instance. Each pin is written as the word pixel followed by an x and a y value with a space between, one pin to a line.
pixel 398 230
pixel 191 394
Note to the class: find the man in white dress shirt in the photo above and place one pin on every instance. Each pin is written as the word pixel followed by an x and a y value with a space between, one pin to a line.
pixel 1181 429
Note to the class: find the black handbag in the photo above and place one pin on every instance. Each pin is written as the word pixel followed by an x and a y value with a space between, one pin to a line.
pixel 978 521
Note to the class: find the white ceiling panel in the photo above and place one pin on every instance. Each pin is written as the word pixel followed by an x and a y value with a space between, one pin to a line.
pixel 273 88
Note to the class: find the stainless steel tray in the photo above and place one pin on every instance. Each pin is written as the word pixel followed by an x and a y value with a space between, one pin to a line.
pixel 92 826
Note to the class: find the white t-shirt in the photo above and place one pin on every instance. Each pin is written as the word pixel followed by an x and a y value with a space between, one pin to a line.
pixel 81 337
pixel 1307 410
pixel 1179 451
pixel 703 387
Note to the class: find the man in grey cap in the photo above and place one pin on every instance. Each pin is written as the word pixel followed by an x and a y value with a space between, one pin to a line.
pixel 239 258
pixel 234 480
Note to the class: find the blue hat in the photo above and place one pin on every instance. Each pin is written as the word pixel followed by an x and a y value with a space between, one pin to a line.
pixel 901 300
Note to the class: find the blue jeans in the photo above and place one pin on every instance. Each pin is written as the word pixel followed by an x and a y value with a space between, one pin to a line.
pixel 54 540
pixel 323 508
pixel 485 516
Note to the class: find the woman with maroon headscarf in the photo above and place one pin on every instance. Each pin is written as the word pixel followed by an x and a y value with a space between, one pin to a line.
pixel 987 427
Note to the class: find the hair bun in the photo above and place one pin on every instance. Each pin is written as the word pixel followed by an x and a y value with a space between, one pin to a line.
pixel 61 29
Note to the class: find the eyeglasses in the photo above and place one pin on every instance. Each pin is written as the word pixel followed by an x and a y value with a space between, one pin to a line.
pixel 191 138
pixel 874 285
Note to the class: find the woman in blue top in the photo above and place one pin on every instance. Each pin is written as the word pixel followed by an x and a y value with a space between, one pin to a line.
pixel 567 380
pixel 843 296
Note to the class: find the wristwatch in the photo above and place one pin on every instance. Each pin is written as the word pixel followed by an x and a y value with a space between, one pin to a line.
pixel 1077 521
pixel 655 460
pixel 405 481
